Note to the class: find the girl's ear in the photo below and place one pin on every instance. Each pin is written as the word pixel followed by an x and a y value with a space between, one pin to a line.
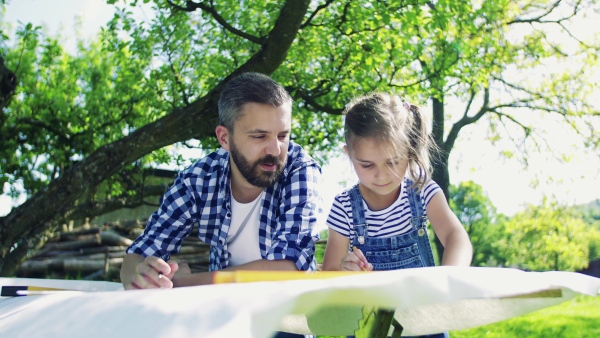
pixel 223 136
pixel 346 150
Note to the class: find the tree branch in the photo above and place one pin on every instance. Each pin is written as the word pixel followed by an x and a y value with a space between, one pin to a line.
pixel 466 120
pixel 34 122
pixel 313 14
pixel 310 100
pixel 573 36
pixel 177 78
pixel 514 86
pixel 192 6
pixel 501 115
pixel 425 79
pixel 540 18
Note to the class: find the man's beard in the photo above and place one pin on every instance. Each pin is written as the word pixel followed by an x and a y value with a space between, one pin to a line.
pixel 252 171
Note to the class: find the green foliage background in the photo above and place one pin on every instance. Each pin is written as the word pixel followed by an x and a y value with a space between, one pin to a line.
pixel 81 131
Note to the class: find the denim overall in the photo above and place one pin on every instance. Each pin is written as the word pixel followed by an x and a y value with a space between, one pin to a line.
pixel 409 250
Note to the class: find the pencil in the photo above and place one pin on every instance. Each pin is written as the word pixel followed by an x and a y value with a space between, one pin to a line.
pixel 249 276
pixel 25 290
pixel 49 292
pixel 354 248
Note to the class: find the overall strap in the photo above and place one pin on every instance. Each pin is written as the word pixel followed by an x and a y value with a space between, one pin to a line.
pixel 358 210
pixel 419 222
pixel 359 222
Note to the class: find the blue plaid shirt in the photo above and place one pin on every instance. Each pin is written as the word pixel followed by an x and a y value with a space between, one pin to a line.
pixel 201 195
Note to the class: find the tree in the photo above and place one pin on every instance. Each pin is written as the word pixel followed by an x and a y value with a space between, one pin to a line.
pixel 547 237
pixel 590 213
pixel 151 85
pixel 478 215
pixel 66 186
pixel 476 53
pixel 473 58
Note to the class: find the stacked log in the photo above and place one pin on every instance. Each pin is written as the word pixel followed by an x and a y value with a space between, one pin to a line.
pixel 96 253
pixel 93 252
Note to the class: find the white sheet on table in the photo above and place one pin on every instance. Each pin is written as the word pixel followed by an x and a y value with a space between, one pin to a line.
pixel 427 300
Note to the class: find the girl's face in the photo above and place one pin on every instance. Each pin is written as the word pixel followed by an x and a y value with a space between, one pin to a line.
pixel 375 169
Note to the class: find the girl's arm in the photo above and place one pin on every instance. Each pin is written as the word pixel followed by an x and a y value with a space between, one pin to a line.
pixel 335 251
pixel 449 230
pixel 337 256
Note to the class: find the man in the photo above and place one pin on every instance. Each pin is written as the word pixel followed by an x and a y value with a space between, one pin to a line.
pixel 255 200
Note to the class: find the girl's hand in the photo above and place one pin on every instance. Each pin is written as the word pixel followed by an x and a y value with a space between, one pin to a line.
pixel 355 261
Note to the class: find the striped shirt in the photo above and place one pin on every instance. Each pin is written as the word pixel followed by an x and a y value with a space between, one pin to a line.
pixel 392 221
pixel 201 196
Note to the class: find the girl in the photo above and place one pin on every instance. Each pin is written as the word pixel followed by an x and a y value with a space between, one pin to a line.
pixel 381 223
pixel 384 217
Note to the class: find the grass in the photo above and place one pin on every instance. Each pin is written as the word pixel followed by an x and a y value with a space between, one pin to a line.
pixel 579 317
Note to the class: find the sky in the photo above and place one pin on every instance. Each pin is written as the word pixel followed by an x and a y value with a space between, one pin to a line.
pixel 507 182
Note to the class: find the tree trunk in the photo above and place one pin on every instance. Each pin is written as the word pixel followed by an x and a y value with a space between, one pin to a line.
pixel 440 166
pixel 8 83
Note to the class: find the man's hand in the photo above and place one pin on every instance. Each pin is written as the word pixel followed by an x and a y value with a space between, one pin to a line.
pixel 183 272
pixel 151 273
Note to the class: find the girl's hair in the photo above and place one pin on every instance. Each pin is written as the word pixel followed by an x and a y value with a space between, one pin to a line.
pixel 396 125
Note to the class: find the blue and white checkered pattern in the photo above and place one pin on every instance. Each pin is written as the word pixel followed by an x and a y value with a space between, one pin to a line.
pixel 201 195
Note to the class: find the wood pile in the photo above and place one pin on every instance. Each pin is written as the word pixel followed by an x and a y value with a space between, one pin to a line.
pixel 96 252
pixel 92 252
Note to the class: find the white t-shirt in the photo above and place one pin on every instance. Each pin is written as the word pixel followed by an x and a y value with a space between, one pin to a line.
pixel 245 247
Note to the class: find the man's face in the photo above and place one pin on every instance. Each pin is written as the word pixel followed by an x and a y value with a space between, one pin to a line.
pixel 259 143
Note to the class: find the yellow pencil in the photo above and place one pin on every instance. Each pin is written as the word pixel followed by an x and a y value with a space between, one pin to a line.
pixel 24 290
pixel 248 276
pixel 354 248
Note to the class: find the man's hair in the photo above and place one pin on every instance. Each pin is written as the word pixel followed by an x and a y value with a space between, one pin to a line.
pixel 246 88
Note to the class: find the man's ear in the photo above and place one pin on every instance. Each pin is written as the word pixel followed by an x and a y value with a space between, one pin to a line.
pixel 223 136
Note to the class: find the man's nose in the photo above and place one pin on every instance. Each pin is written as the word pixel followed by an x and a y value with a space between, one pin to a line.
pixel 274 147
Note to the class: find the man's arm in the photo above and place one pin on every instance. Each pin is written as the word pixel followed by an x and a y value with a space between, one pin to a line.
pixel 165 228
pixel 204 278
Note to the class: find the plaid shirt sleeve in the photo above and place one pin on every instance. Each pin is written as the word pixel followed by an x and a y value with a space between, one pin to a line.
pixel 299 211
pixel 169 225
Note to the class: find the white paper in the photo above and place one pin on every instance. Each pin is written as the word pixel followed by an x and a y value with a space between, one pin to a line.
pixel 427 300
